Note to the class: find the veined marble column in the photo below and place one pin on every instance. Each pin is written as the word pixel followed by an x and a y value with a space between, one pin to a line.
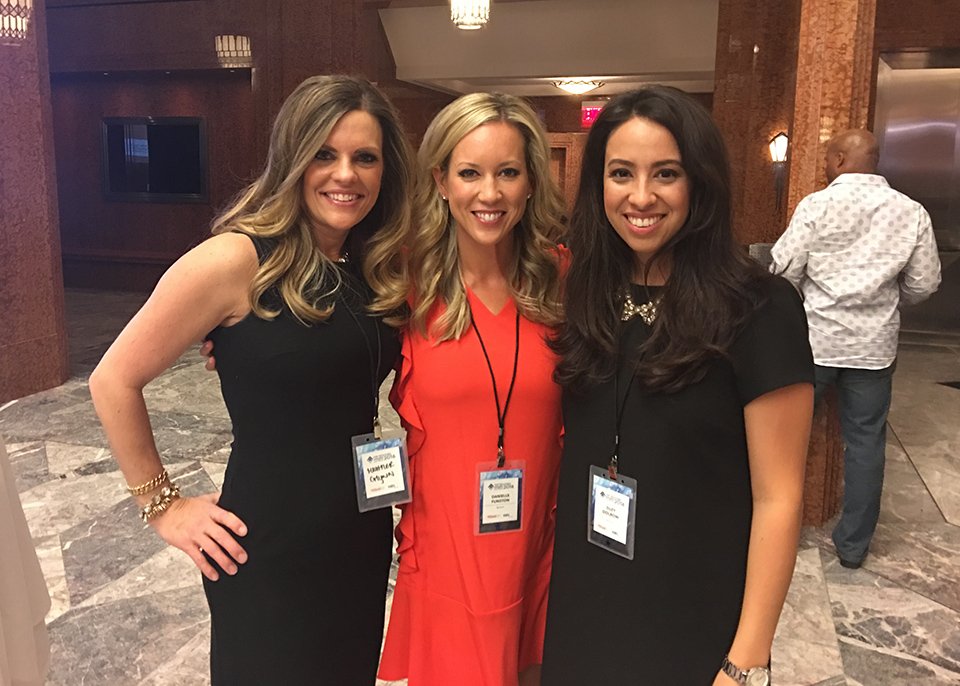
pixel 804 66
pixel 33 345
pixel 835 73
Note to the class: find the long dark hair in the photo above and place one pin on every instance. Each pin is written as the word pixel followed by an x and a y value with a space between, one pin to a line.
pixel 713 284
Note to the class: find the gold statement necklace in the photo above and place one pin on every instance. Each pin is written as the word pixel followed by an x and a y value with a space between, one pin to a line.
pixel 647 311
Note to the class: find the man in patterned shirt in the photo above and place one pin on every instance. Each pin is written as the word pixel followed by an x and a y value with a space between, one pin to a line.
pixel 856 250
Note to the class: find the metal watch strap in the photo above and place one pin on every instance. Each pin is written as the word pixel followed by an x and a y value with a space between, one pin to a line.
pixel 732 671
pixel 742 676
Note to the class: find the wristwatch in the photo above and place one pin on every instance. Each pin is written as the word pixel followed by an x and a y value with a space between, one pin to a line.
pixel 755 676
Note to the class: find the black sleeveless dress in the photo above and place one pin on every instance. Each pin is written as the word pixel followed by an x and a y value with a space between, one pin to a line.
pixel 308 606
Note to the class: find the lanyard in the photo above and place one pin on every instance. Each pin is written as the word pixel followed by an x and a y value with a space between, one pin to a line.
pixel 501 417
pixel 618 407
pixel 374 370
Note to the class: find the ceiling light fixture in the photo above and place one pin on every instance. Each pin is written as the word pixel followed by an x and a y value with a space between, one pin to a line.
pixel 577 86
pixel 470 15
pixel 14 19
pixel 234 52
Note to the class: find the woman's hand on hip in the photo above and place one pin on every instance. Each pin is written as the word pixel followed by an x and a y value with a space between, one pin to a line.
pixel 197 526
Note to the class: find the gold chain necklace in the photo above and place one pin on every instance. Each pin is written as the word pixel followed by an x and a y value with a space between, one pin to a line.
pixel 647 310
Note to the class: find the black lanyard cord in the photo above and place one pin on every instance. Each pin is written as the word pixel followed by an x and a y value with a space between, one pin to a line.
pixel 619 407
pixel 501 417
pixel 374 370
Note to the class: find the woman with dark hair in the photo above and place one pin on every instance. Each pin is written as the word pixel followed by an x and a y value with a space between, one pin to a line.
pixel 687 405
pixel 293 288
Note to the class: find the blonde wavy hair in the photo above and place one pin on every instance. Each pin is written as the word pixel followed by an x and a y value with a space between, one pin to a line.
pixel 272 207
pixel 434 263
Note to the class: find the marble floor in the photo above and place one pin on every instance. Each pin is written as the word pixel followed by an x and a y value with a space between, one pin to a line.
pixel 128 610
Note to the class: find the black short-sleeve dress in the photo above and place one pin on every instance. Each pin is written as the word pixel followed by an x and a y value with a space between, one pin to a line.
pixel 669 615
pixel 308 606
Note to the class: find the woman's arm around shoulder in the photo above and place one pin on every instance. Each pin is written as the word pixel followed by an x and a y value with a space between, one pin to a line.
pixel 563 257
pixel 205 288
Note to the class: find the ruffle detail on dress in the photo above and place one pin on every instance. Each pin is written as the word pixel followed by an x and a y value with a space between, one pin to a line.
pixel 401 397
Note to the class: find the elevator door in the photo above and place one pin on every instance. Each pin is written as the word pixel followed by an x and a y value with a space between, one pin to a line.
pixel 917 123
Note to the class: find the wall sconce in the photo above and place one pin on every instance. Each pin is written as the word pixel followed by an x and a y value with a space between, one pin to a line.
pixel 234 52
pixel 14 20
pixel 779 146
pixel 469 15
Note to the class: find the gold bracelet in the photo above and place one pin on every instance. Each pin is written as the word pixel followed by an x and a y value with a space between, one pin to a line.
pixel 148 486
pixel 159 503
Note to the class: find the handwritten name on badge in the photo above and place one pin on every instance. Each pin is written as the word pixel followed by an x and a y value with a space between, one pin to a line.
pixel 382 472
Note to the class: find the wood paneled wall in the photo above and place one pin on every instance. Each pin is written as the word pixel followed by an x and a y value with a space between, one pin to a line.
pixel 921 24
pixel 113 60
pixel 109 244
pixel 120 245
pixel 566 156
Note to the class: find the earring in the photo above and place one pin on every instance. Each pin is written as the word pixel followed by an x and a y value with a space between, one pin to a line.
pixel 529 195
pixel 444 198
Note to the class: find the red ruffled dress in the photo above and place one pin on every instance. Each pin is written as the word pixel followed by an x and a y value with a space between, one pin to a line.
pixel 468 609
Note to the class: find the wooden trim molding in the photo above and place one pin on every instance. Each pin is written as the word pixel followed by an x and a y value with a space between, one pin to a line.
pixel 119 257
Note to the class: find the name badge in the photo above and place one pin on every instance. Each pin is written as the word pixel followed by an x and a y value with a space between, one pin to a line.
pixel 611 512
pixel 381 470
pixel 500 497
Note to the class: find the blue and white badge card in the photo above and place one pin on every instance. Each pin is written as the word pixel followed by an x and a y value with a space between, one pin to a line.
pixel 500 497
pixel 381 469
pixel 611 511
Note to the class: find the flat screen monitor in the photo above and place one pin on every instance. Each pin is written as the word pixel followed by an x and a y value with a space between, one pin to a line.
pixel 154 159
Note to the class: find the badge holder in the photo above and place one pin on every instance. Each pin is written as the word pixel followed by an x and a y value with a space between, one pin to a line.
pixel 611 511
pixel 381 469
pixel 499 503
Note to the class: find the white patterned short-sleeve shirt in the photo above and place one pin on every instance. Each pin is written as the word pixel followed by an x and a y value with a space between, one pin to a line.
pixel 855 251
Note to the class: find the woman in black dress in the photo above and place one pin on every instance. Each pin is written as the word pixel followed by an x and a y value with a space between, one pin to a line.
pixel 688 389
pixel 293 286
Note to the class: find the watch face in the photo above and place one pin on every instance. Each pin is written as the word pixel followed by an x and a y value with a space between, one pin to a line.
pixel 758 676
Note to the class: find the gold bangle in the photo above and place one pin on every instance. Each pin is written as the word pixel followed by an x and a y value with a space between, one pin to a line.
pixel 159 503
pixel 148 486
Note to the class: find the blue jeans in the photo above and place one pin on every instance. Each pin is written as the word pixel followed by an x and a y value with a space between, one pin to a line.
pixel 863 398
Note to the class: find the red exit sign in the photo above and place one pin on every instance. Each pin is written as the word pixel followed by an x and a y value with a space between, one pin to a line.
pixel 589 110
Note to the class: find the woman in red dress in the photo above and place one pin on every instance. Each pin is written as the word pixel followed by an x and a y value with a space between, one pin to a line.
pixel 476 393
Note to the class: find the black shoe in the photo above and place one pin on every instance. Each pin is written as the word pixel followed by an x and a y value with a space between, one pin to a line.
pixel 849 564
